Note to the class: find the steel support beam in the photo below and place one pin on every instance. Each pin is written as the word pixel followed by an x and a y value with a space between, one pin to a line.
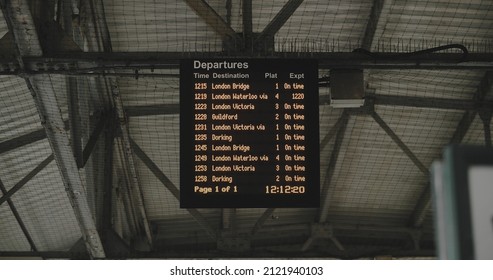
pixel 40 134
pixel 463 127
pixel 22 140
pixel 291 237
pixel 172 188
pixel 279 20
pixel 133 180
pixel 308 243
pixel 376 22
pixel 106 215
pixel 332 132
pixel 260 222
pixel 399 143
pixel 229 7
pixel 229 219
pixel 26 179
pixel 18 219
pixel 247 23
pixel 25 139
pixel 420 211
pixel 115 246
pixel 321 231
pixel 424 202
pixel 353 229
pixel 99 37
pixel 213 19
pixel 485 116
pixel 59 141
pixel 334 159
pixel 155 170
pixel 7 49
pixel 379 99
pixel 74 118
pixel 152 110
pixel 98 63
pixel 316 229
pixel 91 142
pixel 128 209
pixel 20 22
pixel 422 206
pixel 430 102
pixel 79 249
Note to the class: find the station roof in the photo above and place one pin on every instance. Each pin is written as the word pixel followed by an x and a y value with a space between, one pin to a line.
pixel 76 74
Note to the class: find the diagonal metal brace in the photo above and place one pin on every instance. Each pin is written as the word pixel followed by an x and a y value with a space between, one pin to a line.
pixel 171 187
pixel 399 143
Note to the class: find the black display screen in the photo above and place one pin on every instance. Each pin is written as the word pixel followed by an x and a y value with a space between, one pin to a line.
pixel 249 133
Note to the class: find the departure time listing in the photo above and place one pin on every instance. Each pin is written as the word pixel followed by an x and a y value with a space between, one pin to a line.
pixel 249 133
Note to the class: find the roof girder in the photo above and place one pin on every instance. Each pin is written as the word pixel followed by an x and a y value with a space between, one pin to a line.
pixel 213 19
pixel 172 188
pixel 99 38
pixel 21 23
pixel 424 202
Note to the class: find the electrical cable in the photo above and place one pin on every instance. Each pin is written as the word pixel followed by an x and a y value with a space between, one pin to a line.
pixel 464 50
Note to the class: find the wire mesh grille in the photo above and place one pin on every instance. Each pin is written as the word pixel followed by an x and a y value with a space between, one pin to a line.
pixel 158 26
pixel 46 211
pixel 426 83
pixel 19 115
pixel 374 181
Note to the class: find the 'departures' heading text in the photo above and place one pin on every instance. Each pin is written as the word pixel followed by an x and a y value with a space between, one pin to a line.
pixel 197 64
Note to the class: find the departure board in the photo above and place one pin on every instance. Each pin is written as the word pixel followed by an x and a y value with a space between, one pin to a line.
pixel 249 133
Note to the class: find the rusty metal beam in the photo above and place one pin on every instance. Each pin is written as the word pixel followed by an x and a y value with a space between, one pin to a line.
pixel 99 39
pixel 24 30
